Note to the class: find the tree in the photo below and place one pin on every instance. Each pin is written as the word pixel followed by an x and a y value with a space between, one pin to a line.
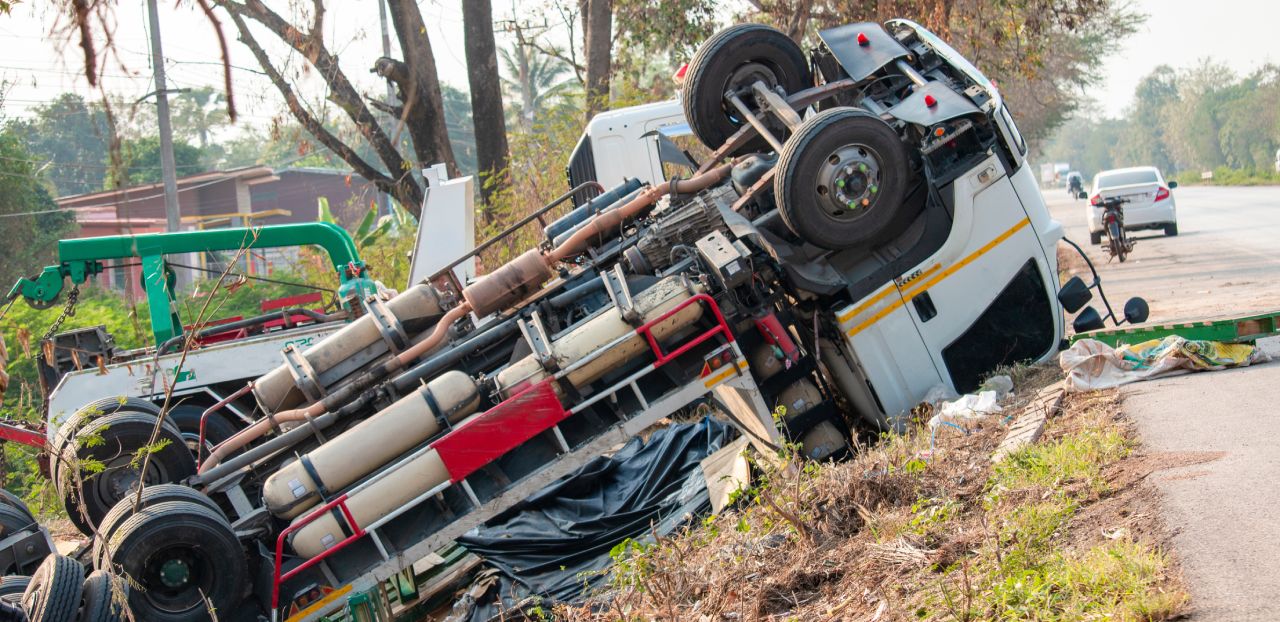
pixel 420 108
pixel 535 78
pixel 598 50
pixel 140 161
pixel 29 216
pixel 71 136
pixel 486 95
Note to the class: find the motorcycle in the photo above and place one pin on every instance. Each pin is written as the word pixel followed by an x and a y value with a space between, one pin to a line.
pixel 1075 186
pixel 1118 243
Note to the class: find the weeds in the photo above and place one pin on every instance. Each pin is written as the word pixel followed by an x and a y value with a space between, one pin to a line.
pixel 905 533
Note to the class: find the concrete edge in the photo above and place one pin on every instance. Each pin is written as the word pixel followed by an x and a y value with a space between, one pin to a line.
pixel 1030 423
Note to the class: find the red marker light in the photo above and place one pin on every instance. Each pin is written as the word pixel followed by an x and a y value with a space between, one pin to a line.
pixel 863 39
pixel 930 101
pixel 1096 200
pixel 678 77
pixel 1162 194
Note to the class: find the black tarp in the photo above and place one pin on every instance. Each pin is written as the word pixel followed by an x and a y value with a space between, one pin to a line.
pixel 556 544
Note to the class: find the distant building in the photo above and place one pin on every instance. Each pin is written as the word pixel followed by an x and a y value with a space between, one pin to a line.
pixel 251 195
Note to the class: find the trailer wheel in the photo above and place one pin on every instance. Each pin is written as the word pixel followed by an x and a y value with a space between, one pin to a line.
pixel 102 598
pixel 10 501
pixel 176 555
pixel 14 586
pixel 123 509
pixel 732 60
pixel 54 592
pixel 96 409
pixel 217 428
pixel 109 451
pixel 843 181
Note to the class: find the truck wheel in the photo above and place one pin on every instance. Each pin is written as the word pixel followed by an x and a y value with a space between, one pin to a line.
pixel 1095 238
pixel 734 59
pixel 151 495
pixel 217 428
pixel 109 451
pixel 54 592
pixel 14 586
pixel 94 410
pixel 102 598
pixel 843 181
pixel 12 500
pixel 177 554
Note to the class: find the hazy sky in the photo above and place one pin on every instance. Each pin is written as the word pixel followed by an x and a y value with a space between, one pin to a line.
pixel 1239 33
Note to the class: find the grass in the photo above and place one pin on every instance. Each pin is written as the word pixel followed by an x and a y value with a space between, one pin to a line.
pixel 913 530
pixel 1223 176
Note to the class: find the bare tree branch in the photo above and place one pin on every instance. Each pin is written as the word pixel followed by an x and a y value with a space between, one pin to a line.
pixel 404 188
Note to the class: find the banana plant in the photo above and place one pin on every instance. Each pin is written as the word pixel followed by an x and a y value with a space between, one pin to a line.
pixel 371 227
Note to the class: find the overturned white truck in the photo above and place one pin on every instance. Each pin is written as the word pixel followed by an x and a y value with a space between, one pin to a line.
pixel 867 228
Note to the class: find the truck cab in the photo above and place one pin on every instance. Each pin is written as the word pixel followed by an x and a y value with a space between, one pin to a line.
pixel 966 286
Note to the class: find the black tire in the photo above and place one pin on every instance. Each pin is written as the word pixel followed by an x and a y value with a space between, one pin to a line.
pixel 734 58
pixel 1171 229
pixel 151 495
pixel 14 585
pixel 846 149
pixel 172 553
pixel 1116 239
pixel 115 442
pixel 12 500
pixel 1095 238
pixel 14 521
pixel 96 409
pixel 217 428
pixel 99 601
pixel 54 592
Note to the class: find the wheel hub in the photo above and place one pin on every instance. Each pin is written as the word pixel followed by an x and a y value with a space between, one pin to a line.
pixel 849 181
pixel 175 573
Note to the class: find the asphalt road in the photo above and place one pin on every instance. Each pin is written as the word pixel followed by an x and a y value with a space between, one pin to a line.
pixel 1222 513
pixel 1225 259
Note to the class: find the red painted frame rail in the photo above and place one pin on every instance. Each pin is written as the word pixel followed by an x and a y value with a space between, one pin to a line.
pixel 278 579
pixel 721 328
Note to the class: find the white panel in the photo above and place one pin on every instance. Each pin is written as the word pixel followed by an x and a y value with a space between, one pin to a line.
pixel 446 229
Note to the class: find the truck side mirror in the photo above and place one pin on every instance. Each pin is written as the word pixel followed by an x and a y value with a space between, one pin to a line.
pixel 1074 294
pixel 1088 320
pixel 1173 184
pixel 1136 310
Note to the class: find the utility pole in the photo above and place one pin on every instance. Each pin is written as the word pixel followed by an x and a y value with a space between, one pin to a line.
pixel 167 165
pixel 391 92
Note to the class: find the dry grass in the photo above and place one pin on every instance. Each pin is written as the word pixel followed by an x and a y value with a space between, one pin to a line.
pixel 914 529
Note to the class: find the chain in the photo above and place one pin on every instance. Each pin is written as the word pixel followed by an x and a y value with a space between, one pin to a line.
pixel 68 310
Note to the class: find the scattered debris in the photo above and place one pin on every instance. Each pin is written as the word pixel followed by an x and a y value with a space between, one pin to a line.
pixel 1091 364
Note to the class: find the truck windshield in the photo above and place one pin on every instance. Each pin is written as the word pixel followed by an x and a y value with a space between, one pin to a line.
pixel 949 54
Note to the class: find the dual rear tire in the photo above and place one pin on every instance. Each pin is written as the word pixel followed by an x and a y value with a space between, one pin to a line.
pixel 844 178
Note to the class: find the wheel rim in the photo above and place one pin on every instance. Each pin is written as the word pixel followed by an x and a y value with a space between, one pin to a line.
pixel 174 579
pixel 848 182
pixel 120 477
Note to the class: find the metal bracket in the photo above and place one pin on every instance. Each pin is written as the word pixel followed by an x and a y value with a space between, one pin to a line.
pixel 754 121
pixel 304 375
pixel 615 282
pixel 535 334
pixel 389 327
pixel 773 102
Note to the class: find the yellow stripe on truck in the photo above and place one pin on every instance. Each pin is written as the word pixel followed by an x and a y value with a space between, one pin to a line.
pixel 920 289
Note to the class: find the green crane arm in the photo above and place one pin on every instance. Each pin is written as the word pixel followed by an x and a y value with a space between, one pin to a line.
pixel 82 258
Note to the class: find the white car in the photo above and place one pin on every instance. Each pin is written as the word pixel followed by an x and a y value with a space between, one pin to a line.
pixel 1150 205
